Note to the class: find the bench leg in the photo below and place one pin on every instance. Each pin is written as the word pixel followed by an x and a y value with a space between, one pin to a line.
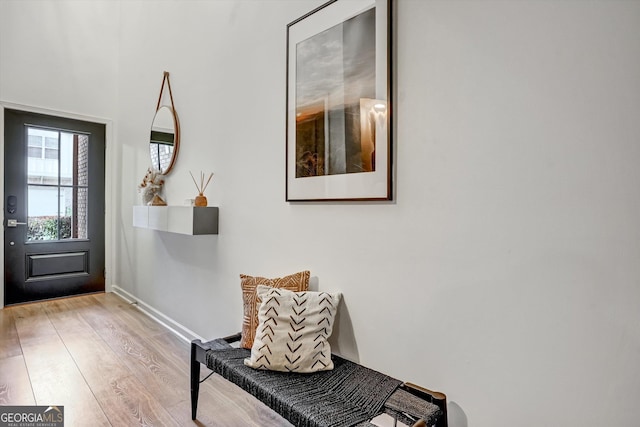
pixel 195 381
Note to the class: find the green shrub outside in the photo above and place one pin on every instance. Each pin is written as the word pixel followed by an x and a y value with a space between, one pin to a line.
pixel 46 228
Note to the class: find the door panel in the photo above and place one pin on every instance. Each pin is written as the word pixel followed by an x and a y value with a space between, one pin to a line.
pixel 54 207
pixel 50 265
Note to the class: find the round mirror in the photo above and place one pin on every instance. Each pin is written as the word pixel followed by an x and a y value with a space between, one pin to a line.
pixel 164 140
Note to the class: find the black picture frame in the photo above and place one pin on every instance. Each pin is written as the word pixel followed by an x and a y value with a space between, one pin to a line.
pixel 338 130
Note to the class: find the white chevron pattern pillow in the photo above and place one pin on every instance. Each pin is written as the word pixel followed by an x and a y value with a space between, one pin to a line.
pixel 293 330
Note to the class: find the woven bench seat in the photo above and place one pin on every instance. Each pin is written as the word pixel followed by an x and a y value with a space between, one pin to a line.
pixel 349 395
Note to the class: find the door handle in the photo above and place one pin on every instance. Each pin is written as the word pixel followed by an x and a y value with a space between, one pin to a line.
pixel 14 223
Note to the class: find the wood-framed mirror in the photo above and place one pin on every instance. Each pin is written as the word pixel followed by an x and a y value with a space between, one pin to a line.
pixel 164 139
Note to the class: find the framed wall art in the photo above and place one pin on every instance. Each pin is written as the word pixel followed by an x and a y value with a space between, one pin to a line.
pixel 339 102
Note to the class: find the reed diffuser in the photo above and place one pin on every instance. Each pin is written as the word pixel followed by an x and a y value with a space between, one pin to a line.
pixel 201 200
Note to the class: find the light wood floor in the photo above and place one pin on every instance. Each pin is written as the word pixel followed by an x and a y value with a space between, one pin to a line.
pixel 110 365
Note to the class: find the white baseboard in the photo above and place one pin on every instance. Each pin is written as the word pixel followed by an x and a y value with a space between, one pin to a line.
pixel 179 330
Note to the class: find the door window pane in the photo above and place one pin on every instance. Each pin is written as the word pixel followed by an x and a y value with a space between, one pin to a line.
pixel 81 214
pixel 51 148
pixel 74 165
pixel 35 146
pixel 74 204
pixel 58 176
pixel 66 159
pixel 66 212
pixel 42 163
pixel 81 160
pixel 42 219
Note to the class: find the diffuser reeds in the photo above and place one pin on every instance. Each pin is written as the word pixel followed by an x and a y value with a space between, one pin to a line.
pixel 203 185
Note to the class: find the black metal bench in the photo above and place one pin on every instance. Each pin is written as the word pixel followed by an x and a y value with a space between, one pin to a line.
pixel 349 395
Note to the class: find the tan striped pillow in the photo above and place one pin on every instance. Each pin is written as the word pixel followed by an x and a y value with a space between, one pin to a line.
pixel 294 282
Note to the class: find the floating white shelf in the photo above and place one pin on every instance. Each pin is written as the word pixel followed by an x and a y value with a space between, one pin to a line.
pixel 177 219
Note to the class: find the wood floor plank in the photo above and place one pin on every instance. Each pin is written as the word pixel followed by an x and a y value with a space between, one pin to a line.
pixel 109 363
pixel 124 400
pixel 131 314
pixel 223 404
pixel 128 403
pixel 57 381
pixel 241 410
pixel 55 378
pixel 32 324
pixel 9 342
pixel 244 410
pixel 148 364
pixel 15 387
pixel 175 349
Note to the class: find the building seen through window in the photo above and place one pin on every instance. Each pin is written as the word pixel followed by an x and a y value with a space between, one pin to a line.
pixel 57 177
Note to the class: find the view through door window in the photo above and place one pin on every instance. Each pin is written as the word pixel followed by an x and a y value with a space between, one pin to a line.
pixel 58 172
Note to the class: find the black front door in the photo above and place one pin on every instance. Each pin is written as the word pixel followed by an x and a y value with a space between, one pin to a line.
pixel 54 207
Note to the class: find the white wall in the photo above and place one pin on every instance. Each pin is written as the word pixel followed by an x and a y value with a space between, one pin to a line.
pixel 506 273
pixel 59 55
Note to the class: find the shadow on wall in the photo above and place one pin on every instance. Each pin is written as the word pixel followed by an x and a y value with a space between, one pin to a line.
pixel 343 339
pixel 313 283
pixel 456 416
